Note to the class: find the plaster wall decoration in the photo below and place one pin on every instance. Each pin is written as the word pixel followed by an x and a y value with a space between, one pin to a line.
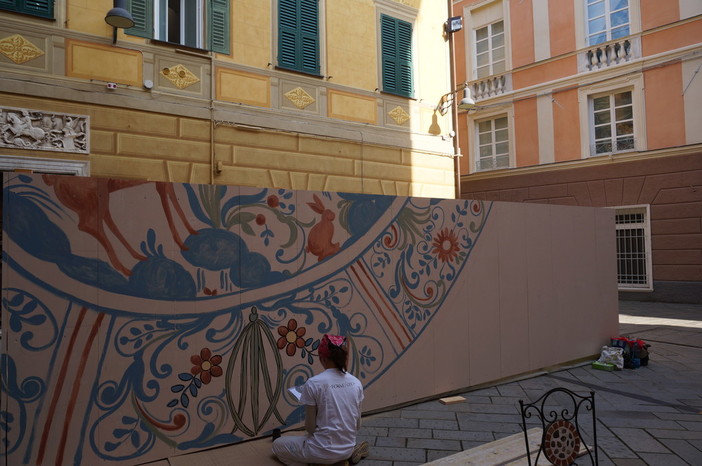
pixel 180 76
pixel 399 115
pixel 18 49
pixel 150 320
pixel 37 130
pixel 299 97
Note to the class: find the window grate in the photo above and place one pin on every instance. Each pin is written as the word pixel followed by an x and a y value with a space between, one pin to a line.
pixel 633 248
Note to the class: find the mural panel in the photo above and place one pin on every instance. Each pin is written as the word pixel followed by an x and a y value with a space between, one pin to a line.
pixel 143 320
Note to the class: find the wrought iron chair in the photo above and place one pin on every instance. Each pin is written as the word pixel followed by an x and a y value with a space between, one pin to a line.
pixel 561 439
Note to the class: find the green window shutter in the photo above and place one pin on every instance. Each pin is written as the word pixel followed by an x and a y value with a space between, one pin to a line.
pixel 396 49
pixel 9 5
pixel 287 34
pixel 309 35
pixel 298 35
pixel 218 25
pixel 143 13
pixel 42 8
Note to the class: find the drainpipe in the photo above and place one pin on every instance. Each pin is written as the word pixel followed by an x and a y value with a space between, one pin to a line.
pixel 213 165
pixel 454 109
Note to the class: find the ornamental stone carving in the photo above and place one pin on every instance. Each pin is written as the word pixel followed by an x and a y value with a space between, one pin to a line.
pixel 33 129
pixel 18 49
pixel 180 76
pixel 399 115
pixel 299 97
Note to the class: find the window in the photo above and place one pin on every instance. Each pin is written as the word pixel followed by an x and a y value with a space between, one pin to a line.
pixel 490 50
pixel 202 24
pixel 607 20
pixel 613 123
pixel 43 8
pixel 493 144
pixel 633 247
pixel 396 45
pixel 298 35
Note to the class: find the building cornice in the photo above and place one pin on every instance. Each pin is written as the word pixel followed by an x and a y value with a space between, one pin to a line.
pixel 601 161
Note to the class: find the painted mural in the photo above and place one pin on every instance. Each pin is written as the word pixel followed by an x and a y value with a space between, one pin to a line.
pixel 143 320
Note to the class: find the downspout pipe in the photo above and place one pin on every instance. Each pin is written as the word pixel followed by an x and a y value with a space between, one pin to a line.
pixel 454 107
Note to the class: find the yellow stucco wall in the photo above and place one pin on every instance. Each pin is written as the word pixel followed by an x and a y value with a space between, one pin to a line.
pixel 136 144
pixel 351 44
pixel 162 132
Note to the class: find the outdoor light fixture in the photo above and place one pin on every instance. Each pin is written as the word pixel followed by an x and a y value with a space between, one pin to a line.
pixel 119 17
pixel 467 102
pixel 454 24
pixel 448 99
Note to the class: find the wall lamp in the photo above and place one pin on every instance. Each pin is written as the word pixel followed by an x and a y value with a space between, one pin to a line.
pixel 466 103
pixel 119 17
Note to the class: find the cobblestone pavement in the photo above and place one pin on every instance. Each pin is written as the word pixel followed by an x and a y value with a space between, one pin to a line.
pixel 651 415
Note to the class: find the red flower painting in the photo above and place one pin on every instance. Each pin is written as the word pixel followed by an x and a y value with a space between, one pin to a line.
pixel 206 365
pixel 291 337
pixel 446 245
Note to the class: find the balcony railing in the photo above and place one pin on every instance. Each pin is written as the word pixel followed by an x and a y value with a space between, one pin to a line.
pixel 610 53
pixel 491 86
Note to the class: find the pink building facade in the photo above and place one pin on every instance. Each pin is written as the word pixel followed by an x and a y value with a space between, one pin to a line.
pixel 592 103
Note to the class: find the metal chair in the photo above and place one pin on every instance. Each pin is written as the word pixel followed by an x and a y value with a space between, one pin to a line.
pixel 559 411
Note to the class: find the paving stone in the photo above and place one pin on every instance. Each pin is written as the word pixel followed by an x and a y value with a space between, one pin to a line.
pixel 489 391
pixel 434 444
pixel 511 390
pixel 658 459
pixel 614 447
pixel 366 438
pixel 629 462
pixel 470 399
pixel 410 414
pixel 433 455
pixel 478 436
pixel 506 400
pixel 684 450
pixel 407 463
pixel 639 440
pixel 467 445
pixel 481 426
pixel 641 423
pixel 694 426
pixel 373 431
pixel 681 434
pixel 494 408
pixel 397 454
pixel 369 462
pixel 391 442
pixel 390 422
pixel 515 418
pixel 409 433
pixel 438 424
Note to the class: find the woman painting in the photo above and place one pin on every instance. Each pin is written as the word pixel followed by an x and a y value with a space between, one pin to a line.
pixel 332 402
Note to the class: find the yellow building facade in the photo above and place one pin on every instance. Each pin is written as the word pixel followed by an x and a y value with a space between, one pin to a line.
pixel 211 92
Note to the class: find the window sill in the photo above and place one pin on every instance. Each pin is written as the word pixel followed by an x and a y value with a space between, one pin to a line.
pixel 182 48
pixel 303 73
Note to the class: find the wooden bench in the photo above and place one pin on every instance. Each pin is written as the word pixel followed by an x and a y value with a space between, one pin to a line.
pixel 509 450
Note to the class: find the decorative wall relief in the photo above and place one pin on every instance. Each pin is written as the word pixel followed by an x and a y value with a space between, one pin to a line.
pixel 18 49
pixel 299 97
pixel 38 130
pixel 399 115
pixel 180 76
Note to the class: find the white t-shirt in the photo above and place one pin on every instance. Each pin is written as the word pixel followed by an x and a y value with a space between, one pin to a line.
pixel 338 397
